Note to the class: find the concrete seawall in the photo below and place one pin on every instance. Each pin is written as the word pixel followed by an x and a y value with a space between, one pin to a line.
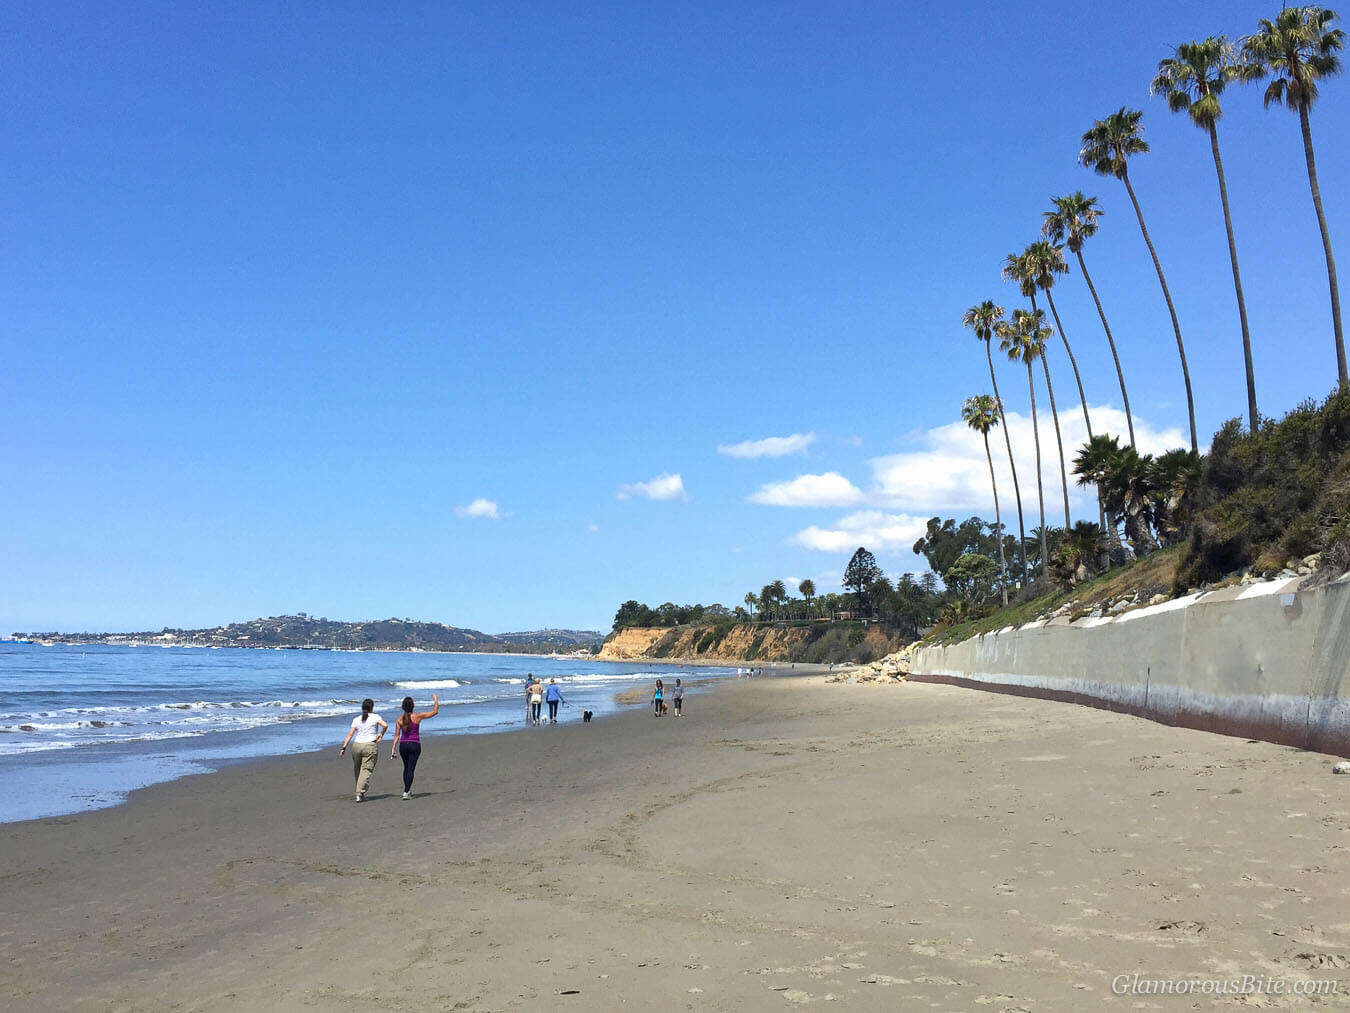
pixel 1264 661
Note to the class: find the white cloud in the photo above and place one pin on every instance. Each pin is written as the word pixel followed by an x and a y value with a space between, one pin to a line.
pixel 592 528
pixel 878 531
pixel 951 473
pixel 662 487
pixel 480 508
pixel 773 446
pixel 829 489
pixel 948 475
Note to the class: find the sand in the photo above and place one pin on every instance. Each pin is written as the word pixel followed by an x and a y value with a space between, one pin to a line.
pixel 788 842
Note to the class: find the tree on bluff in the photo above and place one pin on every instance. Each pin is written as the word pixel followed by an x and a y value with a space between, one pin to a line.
pixel 860 574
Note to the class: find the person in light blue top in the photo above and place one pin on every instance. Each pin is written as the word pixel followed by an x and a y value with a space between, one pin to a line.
pixel 553 696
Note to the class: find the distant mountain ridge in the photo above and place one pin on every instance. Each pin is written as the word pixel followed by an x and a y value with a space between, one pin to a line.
pixel 305 631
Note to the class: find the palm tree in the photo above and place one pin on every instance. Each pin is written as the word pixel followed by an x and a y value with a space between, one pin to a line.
pixel 1175 478
pixel 751 600
pixel 807 588
pixel 1106 150
pixel 981 414
pixel 1023 339
pixel 1192 80
pixel 1023 268
pixel 1093 463
pixel 1129 494
pixel 1299 49
pixel 1074 220
pixel 985 319
pixel 1045 260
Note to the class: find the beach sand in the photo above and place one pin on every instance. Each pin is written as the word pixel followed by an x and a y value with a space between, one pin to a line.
pixel 787 842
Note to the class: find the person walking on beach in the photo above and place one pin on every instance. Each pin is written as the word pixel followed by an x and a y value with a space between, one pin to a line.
pixel 408 738
pixel 658 698
pixel 536 698
pixel 529 689
pixel 678 697
pixel 554 697
pixel 367 729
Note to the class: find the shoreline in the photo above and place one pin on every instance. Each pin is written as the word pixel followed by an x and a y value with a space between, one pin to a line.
pixel 788 840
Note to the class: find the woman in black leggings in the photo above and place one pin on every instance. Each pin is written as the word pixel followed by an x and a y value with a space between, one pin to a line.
pixel 408 738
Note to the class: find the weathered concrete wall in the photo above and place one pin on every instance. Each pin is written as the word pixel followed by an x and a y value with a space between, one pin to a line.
pixel 1263 661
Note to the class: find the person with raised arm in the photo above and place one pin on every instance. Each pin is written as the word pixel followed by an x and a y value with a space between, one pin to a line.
pixel 408 738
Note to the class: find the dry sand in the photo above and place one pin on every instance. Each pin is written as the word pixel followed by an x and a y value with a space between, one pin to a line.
pixel 787 842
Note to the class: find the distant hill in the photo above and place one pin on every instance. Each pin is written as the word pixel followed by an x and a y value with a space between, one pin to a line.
pixel 557 639
pixel 305 631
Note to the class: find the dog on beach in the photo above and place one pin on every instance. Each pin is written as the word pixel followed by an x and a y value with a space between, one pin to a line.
pixel 664 707
pixel 586 715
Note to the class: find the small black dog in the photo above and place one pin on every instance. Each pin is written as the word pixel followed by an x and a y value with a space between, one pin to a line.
pixel 585 715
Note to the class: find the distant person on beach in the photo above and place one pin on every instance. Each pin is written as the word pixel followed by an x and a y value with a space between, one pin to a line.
pixel 554 697
pixel 529 689
pixel 367 729
pixel 408 738
pixel 658 698
pixel 678 697
pixel 536 699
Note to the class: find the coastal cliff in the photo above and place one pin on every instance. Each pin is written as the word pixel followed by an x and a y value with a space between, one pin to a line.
pixel 749 643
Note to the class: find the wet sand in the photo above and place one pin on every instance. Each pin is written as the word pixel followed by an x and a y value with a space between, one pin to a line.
pixel 788 842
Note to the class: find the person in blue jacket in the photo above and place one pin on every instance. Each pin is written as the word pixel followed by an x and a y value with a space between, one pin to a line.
pixel 553 696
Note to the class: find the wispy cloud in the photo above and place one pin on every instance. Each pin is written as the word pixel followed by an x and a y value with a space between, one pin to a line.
pixel 480 508
pixel 772 446
pixel 828 490
pixel 592 528
pixel 880 532
pixel 662 487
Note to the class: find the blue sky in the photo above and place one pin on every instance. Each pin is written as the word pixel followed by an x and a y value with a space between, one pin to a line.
pixel 483 313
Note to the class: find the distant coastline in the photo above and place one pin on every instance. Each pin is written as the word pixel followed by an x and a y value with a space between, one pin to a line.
pixel 304 632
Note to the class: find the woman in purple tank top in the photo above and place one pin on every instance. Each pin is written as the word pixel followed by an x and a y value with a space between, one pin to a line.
pixel 408 738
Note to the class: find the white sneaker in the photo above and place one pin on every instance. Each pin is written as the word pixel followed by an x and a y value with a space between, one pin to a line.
pixel 360 798
pixel 407 795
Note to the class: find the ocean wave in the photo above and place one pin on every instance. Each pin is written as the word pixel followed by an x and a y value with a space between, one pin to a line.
pixel 430 684
pixel 62 726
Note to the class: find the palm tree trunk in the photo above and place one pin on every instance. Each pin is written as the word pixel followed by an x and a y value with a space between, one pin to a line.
pixel 1326 246
pixel 1063 476
pixel 1017 493
pixel 1072 361
pixel 1120 375
pixel 998 521
pixel 1237 281
pixel 1176 327
pixel 1040 489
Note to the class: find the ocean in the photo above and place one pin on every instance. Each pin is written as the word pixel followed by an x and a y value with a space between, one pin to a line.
pixel 81 727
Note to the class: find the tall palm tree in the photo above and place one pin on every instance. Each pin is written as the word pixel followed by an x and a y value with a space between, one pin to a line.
pixel 1298 49
pixel 1191 80
pixel 1045 260
pixel 1022 268
pixel 985 319
pixel 981 414
pixel 1073 220
pixel 1106 150
pixel 1023 339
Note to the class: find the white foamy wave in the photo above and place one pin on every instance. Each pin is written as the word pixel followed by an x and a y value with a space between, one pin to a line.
pixel 593 677
pixel 61 726
pixel 431 684
pixel 9 747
